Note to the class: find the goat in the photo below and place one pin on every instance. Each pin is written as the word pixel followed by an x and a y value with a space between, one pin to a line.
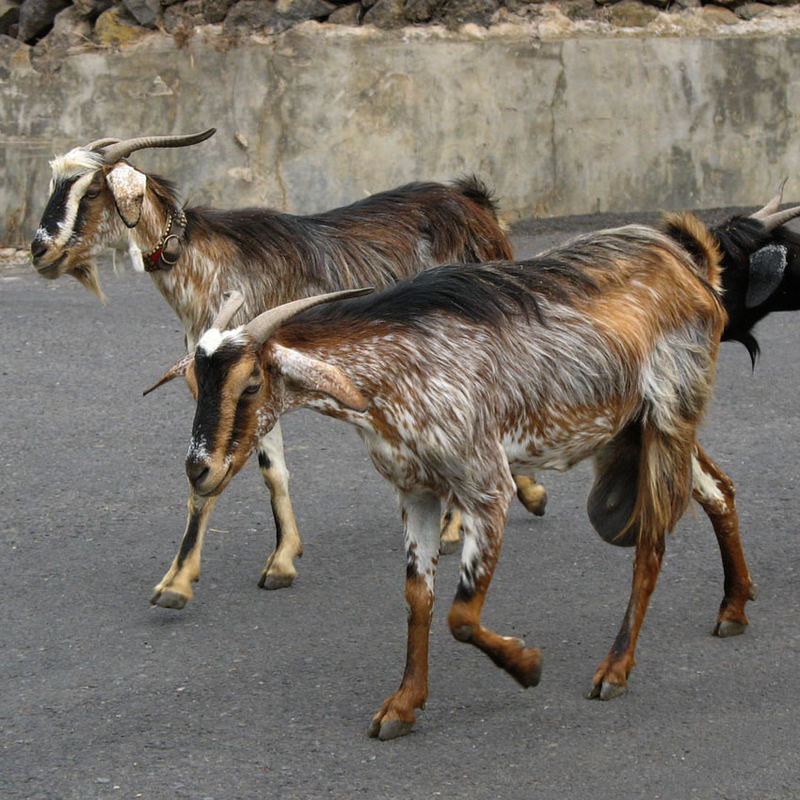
pixel 603 348
pixel 191 253
pixel 758 283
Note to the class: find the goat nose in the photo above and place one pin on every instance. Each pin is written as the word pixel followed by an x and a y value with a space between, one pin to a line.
pixel 196 471
pixel 38 249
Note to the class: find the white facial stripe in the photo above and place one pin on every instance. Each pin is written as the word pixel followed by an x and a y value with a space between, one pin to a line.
pixel 213 339
pixel 66 225
pixel 74 163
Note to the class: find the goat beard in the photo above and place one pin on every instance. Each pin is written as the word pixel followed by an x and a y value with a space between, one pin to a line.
pixel 86 274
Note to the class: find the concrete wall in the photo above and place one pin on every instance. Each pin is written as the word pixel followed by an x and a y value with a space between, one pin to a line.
pixel 320 117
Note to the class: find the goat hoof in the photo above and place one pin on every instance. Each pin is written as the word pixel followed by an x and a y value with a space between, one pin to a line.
pixel 534 498
pixel 729 627
pixel 391 729
pixel 268 581
pixel 606 691
pixel 753 593
pixel 447 548
pixel 169 598
pixel 532 671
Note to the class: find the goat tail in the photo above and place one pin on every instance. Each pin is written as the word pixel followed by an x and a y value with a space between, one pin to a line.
pixel 701 244
pixel 473 188
pixel 665 481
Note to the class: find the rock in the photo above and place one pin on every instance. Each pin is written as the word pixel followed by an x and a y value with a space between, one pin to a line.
pixel 145 12
pixel 116 27
pixel 421 10
pixel 287 13
pixel 215 11
pixel 181 18
pixel 385 14
pixel 580 9
pixel 459 12
pixel 346 15
pixel 36 17
pixel 91 8
pixel 752 10
pixel 248 15
pixel 717 15
pixel 630 14
pixel 70 28
pixel 9 15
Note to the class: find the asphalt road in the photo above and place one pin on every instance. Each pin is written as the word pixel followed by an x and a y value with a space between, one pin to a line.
pixel 254 694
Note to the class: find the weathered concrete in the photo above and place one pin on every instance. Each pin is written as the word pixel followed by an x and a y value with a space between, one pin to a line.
pixel 558 123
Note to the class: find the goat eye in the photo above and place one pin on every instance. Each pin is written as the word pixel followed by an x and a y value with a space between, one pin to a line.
pixel 251 389
pixel 92 193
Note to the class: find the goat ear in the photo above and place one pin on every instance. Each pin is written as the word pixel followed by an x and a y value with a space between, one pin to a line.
pixel 767 266
pixel 175 371
pixel 127 187
pixel 317 376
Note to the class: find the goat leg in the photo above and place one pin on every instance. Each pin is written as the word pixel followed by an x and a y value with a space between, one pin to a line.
pixel 279 571
pixel 611 678
pixel 396 716
pixel 714 490
pixel 175 588
pixel 483 536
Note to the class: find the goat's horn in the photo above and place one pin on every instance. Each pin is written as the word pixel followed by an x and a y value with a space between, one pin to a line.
pixel 175 371
pixel 98 144
pixel 774 221
pixel 772 206
pixel 233 302
pixel 264 325
pixel 115 150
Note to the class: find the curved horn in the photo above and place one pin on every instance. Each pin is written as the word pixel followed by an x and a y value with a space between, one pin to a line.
pixel 98 144
pixel 233 302
pixel 114 150
pixel 264 325
pixel 774 221
pixel 773 205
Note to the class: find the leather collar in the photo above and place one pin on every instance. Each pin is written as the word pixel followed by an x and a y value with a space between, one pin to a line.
pixel 170 246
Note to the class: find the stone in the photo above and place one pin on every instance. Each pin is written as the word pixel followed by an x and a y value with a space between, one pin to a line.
pixel 385 14
pixel 248 15
pixel 215 11
pixel 36 17
pixel 580 9
pixel 9 15
pixel 91 8
pixel 421 10
pixel 181 18
pixel 752 10
pixel 459 12
pixel 630 14
pixel 717 15
pixel 145 12
pixel 70 28
pixel 116 27
pixel 346 15
pixel 287 13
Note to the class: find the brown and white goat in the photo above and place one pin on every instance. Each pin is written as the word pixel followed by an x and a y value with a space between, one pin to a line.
pixel 193 253
pixel 603 348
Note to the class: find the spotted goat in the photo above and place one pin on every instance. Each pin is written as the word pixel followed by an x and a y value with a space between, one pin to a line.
pixel 604 348
pixel 192 253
